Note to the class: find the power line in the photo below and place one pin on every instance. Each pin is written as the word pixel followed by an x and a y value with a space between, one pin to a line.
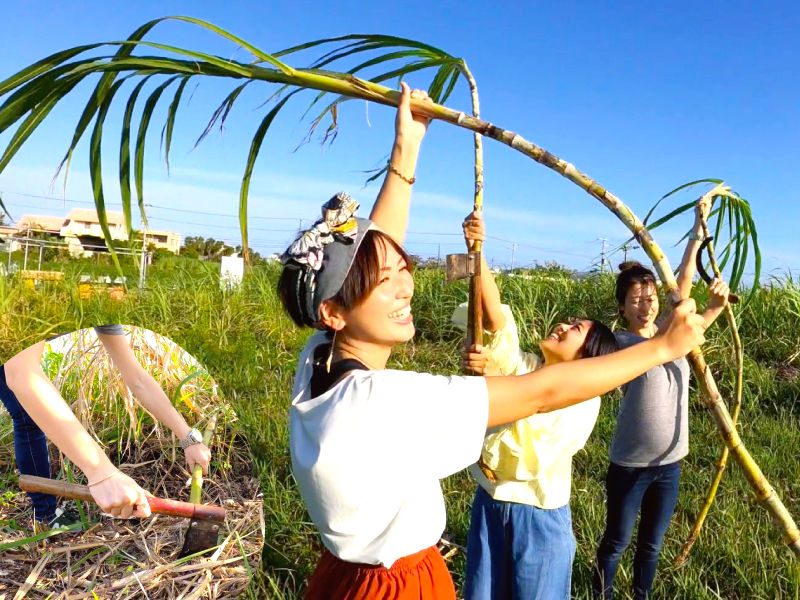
pixel 512 244
pixel 182 210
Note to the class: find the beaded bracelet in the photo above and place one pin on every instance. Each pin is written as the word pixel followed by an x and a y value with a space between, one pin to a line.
pixel 396 172
pixel 107 477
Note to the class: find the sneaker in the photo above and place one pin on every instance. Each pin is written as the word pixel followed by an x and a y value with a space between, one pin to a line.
pixel 63 518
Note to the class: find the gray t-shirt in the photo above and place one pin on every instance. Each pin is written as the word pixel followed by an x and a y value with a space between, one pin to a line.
pixel 106 329
pixel 653 418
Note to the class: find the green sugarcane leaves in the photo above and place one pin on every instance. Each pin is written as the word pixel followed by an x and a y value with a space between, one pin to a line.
pixel 33 92
pixel 731 213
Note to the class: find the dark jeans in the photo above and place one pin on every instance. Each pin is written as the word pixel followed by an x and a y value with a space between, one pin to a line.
pixel 655 490
pixel 30 449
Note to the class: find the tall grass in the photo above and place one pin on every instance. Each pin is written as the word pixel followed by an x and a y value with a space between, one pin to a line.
pixel 250 349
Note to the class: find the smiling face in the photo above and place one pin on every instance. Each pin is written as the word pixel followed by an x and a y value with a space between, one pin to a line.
pixel 383 317
pixel 641 306
pixel 565 342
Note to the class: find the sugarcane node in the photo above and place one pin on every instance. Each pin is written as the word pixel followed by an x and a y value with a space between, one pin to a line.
pixel 549 160
pixel 732 298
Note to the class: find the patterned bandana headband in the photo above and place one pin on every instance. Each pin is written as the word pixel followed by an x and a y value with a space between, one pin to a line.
pixel 324 254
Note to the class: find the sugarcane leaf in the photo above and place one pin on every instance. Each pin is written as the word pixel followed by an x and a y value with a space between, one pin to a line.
pixel 751 226
pixel 675 191
pixel 170 124
pixel 737 249
pixel 4 209
pixel 725 207
pixel 408 68
pixel 255 148
pixel 223 108
pixel 125 157
pixel 436 87
pixel 362 38
pixel 378 174
pixel 335 57
pixel 177 393
pixel 390 56
pixel 33 92
pixel 229 106
pixel 745 252
pixel 144 123
pixel 260 54
pixel 46 65
pixel 680 210
pixel 450 87
pixel 99 93
pixel 34 119
pixel 96 170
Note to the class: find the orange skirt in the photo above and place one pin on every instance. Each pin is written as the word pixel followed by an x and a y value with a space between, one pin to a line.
pixel 420 576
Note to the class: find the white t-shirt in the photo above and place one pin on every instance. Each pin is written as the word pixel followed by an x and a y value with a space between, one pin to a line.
pixel 368 455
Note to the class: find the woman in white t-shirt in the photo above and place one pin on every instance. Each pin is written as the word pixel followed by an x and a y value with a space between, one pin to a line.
pixel 365 440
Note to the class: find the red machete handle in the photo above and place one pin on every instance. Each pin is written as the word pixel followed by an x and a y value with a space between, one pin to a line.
pixel 162 506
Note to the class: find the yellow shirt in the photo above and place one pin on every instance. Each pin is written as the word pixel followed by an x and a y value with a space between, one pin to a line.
pixel 532 457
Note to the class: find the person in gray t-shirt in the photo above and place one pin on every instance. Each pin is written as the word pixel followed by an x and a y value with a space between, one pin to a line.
pixel 652 432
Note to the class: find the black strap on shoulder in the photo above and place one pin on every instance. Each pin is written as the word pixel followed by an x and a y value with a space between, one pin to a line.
pixel 321 379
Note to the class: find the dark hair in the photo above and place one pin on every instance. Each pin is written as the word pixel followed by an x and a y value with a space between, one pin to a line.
pixel 630 273
pixel 362 278
pixel 600 340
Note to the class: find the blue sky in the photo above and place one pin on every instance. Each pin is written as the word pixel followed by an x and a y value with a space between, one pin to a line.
pixel 642 99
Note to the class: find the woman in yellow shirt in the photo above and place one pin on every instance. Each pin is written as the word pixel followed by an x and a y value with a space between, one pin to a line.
pixel 521 543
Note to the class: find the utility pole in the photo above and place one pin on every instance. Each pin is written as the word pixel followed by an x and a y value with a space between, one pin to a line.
pixel 142 258
pixel 439 257
pixel 603 258
pixel 626 247
pixel 27 240
pixel 513 253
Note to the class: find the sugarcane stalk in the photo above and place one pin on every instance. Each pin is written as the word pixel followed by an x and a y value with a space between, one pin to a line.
pixel 723 459
pixel 475 306
pixel 197 472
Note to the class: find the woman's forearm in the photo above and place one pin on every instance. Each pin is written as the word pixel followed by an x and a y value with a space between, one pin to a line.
pixel 688 264
pixel 564 384
pixel 151 395
pixel 493 317
pixel 390 211
pixel 50 412
pixel 142 385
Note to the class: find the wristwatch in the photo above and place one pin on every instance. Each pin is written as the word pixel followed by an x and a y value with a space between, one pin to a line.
pixel 697 236
pixel 192 438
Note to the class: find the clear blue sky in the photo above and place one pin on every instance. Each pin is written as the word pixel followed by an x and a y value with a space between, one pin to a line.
pixel 642 98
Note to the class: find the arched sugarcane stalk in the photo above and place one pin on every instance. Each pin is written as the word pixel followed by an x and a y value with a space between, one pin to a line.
pixel 723 459
pixel 34 91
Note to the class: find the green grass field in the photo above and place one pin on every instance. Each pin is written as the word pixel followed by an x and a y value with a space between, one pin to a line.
pixel 250 349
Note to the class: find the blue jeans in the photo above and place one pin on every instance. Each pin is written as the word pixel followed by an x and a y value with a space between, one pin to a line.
pixel 655 490
pixel 517 551
pixel 30 449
